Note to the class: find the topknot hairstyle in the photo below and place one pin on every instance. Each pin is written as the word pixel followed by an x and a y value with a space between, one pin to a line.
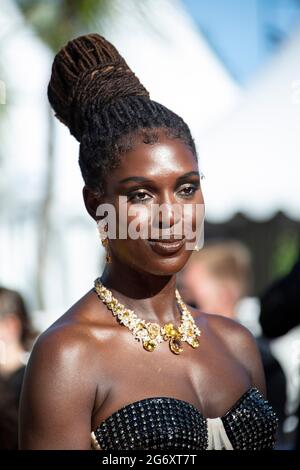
pixel 98 97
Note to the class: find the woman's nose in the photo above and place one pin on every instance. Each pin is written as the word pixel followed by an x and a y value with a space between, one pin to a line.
pixel 167 214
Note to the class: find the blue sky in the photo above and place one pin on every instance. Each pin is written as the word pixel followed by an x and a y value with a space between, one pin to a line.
pixel 244 33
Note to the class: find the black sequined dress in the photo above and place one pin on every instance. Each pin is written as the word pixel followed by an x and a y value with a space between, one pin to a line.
pixel 162 423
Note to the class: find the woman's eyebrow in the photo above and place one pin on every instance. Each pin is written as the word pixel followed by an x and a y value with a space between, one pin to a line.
pixel 136 179
pixel 142 179
pixel 187 175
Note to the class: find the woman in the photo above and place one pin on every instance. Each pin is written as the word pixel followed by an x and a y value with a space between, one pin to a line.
pixel 143 380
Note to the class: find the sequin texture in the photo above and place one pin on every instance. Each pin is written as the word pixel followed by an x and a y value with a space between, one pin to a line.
pixel 167 423
pixel 251 424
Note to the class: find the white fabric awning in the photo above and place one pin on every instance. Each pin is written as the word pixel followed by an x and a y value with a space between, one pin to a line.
pixel 252 161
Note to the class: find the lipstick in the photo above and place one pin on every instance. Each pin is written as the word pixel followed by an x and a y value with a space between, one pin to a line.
pixel 166 247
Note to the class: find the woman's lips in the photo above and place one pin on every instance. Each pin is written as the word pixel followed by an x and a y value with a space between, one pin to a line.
pixel 166 247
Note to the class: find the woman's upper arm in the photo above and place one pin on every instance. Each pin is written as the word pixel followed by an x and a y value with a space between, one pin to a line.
pixel 252 359
pixel 58 395
pixel 243 347
pixel 247 352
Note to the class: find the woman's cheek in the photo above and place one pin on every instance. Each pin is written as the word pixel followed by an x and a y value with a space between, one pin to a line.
pixel 138 221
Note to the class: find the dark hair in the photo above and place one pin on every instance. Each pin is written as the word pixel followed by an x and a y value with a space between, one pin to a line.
pixel 11 302
pixel 94 92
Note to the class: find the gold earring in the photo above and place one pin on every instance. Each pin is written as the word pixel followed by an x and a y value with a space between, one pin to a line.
pixel 196 248
pixel 102 229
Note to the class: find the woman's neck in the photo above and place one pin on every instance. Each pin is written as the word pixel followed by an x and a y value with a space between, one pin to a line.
pixel 152 297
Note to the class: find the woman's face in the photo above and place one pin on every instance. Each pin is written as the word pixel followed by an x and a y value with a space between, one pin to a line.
pixel 150 175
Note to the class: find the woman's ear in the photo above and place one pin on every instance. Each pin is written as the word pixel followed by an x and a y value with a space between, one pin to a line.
pixel 91 201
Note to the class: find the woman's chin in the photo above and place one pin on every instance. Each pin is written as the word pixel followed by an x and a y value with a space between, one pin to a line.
pixel 163 266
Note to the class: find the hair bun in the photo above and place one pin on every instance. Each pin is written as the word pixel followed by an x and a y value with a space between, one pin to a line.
pixel 87 74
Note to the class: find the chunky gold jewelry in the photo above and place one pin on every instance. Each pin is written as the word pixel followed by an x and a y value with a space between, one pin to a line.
pixel 151 334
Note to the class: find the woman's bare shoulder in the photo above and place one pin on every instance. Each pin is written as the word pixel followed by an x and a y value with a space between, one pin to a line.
pixel 229 329
pixel 61 382
pixel 73 336
pixel 225 328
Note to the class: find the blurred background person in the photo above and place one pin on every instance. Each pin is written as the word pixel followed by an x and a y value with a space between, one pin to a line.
pixel 16 338
pixel 218 276
pixel 216 279
pixel 280 313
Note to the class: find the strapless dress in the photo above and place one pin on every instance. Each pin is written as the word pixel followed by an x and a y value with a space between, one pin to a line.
pixel 162 423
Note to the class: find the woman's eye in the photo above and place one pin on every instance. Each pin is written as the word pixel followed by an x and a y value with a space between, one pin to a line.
pixel 138 197
pixel 188 191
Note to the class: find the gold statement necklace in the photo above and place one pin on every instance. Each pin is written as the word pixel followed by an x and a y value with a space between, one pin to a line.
pixel 151 334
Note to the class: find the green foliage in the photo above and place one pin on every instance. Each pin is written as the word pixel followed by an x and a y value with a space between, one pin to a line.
pixel 57 21
pixel 285 253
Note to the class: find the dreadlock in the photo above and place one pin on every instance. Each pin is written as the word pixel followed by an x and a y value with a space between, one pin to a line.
pixel 94 92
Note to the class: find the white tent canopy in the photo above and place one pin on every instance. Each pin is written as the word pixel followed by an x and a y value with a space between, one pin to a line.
pixel 252 160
